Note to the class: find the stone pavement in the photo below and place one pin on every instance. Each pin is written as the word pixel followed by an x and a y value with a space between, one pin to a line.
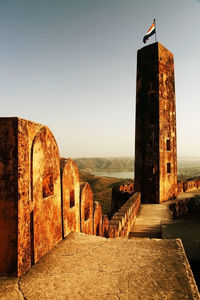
pixel 90 267
pixel 149 221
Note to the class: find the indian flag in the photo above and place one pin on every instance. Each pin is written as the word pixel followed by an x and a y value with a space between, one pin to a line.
pixel 150 32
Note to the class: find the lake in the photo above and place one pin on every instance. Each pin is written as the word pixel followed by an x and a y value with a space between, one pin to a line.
pixel 127 175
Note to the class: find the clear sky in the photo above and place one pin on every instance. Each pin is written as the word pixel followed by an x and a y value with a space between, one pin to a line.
pixel 71 65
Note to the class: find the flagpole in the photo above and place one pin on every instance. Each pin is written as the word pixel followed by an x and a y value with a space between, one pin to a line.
pixel 155 30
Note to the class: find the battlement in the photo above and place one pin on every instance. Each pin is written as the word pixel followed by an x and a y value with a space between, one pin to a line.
pixel 42 199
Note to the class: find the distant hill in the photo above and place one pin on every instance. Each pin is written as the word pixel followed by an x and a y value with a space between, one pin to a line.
pixel 112 164
pixel 188 167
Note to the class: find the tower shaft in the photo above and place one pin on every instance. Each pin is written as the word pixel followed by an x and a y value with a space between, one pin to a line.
pixel 155 139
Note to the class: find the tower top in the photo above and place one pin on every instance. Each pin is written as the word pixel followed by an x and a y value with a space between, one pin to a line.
pixel 154 52
pixel 154 47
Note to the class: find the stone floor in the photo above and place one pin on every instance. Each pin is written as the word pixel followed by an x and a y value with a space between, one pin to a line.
pixel 89 267
pixel 155 221
pixel 149 221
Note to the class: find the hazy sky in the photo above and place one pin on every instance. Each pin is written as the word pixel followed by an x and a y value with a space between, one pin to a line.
pixel 71 65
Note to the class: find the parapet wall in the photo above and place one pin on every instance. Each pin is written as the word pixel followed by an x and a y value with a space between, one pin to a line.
pixel 188 185
pixel 122 221
pixel 120 195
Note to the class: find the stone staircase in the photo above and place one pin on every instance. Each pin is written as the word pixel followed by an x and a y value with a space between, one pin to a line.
pixel 149 221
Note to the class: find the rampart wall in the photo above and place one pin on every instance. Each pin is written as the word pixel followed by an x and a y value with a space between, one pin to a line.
pixel 120 195
pixel 188 185
pixel 42 199
pixel 123 219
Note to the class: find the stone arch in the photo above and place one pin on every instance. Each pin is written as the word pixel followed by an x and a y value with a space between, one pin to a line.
pixel 45 193
pixel 86 206
pixel 70 187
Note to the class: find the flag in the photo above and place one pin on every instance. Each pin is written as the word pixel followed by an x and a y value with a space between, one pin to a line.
pixel 150 32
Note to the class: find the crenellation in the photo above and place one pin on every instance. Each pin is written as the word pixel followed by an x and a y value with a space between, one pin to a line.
pixel 97 218
pixel 70 203
pixel 86 205
pixel 105 226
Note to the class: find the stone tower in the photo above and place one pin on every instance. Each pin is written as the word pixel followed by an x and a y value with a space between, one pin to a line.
pixel 155 139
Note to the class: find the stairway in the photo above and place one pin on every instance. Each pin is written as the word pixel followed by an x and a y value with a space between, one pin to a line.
pixel 149 221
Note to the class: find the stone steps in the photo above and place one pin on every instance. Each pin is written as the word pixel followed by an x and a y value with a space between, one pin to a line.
pixel 148 223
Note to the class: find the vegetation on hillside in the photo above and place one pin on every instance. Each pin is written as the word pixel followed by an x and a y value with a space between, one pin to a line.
pixel 102 188
pixel 112 164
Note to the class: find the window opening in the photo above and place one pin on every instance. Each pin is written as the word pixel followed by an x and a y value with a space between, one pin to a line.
pixel 168 145
pixel 168 168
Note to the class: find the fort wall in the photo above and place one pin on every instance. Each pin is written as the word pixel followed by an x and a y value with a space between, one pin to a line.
pixel 97 219
pixel 70 201
pixel 30 194
pixel 120 194
pixel 123 219
pixel 86 204
pixel 188 185
pixel 42 199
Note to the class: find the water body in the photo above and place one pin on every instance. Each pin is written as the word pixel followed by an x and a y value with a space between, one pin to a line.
pixel 127 175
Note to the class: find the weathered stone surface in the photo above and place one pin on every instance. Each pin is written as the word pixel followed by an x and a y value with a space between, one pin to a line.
pixel 70 196
pixel 8 196
pixel 188 185
pixel 97 218
pixel 149 221
pixel 122 221
pixel 89 267
pixel 120 194
pixel 86 205
pixel 155 144
pixel 30 208
pixel 104 226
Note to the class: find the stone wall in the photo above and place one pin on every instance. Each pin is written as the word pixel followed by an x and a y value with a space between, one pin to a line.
pixel 8 196
pixel 122 221
pixel 105 226
pixel 155 138
pixel 30 207
pixel 188 185
pixel 120 194
pixel 97 219
pixel 42 199
pixel 70 196
pixel 86 204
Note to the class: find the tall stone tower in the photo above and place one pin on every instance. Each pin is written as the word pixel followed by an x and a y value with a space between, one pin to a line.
pixel 155 139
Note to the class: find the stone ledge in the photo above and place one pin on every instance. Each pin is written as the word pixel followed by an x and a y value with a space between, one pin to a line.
pixel 90 267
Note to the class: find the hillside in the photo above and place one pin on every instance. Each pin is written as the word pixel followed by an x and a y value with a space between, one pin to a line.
pixel 187 167
pixel 102 188
pixel 112 164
